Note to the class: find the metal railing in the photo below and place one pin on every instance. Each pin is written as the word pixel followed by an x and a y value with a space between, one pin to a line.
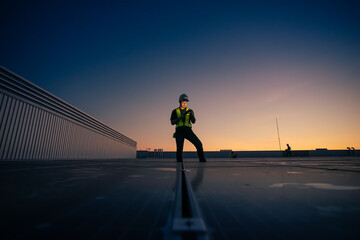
pixel 35 124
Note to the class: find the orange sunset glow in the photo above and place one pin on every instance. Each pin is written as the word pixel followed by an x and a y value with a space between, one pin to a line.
pixel 314 110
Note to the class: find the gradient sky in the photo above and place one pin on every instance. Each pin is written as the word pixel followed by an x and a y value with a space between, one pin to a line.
pixel 242 64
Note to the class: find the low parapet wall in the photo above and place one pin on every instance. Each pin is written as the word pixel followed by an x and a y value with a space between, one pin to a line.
pixel 251 154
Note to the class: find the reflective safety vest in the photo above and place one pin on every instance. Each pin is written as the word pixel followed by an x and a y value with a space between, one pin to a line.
pixel 187 119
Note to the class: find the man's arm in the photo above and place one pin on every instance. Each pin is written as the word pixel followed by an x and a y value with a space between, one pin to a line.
pixel 174 119
pixel 192 116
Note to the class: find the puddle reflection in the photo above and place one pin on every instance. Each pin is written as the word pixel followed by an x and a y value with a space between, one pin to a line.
pixel 196 182
pixel 135 176
pixel 166 169
pixel 328 186
pixel 325 186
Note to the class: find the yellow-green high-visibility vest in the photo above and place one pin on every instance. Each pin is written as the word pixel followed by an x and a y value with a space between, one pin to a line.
pixel 187 119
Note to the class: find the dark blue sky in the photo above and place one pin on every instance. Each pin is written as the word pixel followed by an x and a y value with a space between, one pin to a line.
pixel 130 55
pixel 58 39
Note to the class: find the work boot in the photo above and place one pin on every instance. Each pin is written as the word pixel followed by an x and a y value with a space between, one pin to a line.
pixel 202 160
pixel 179 160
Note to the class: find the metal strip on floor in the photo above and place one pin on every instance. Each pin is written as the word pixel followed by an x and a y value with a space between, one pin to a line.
pixel 185 220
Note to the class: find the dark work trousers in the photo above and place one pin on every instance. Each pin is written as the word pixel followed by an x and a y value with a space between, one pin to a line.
pixel 186 132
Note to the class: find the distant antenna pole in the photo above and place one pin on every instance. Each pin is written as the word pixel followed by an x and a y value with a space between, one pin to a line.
pixel 277 127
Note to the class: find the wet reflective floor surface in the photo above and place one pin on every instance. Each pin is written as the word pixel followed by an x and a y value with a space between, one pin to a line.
pixel 254 198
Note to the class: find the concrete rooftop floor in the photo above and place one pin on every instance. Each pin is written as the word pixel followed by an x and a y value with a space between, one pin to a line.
pixel 254 198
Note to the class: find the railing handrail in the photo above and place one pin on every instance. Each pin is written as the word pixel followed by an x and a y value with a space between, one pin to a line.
pixel 26 89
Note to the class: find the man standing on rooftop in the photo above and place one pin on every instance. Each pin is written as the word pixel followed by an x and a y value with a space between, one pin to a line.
pixel 183 117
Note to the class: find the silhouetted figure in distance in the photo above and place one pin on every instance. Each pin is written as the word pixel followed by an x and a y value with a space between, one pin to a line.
pixel 233 154
pixel 288 151
pixel 349 151
pixel 352 151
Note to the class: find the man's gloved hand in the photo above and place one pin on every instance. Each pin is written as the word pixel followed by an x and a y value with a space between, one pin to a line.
pixel 191 112
pixel 183 116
